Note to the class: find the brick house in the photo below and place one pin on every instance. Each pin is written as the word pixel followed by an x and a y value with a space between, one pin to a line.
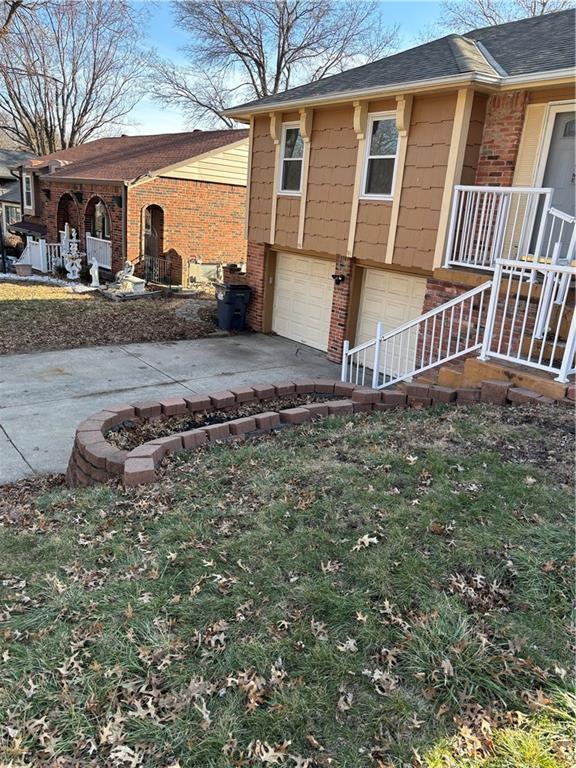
pixel 392 189
pixel 171 201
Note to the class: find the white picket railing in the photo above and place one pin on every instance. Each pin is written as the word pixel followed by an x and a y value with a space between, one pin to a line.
pixel 53 256
pixel 530 320
pixel 438 336
pixel 99 249
pixel 489 223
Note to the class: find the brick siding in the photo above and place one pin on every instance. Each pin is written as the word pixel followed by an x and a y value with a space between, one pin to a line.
pixel 501 138
pixel 76 199
pixel 340 309
pixel 255 275
pixel 203 222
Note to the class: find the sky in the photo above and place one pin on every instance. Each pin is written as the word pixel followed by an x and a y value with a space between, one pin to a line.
pixel 162 34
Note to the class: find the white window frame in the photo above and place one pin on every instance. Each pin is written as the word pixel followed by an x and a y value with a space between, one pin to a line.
pixel 289 192
pixel 28 177
pixel 6 207
pixel 372 118
pixel 553 109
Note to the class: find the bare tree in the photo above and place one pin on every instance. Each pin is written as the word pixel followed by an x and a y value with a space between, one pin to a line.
pixel 70 73
pixel 463 15
pixel 247 49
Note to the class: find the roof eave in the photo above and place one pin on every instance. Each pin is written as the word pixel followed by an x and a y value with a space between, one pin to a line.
pixel 469 78
pixel 364 93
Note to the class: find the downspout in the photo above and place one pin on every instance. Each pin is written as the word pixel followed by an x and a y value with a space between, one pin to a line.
pixel 124 223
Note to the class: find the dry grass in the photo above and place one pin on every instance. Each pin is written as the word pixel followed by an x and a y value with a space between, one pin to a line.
pixel 36 317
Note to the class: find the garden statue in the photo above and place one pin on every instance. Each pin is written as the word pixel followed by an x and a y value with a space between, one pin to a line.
pixel 72 259
pixel 126 271
pixel 94 275
pixel 125 282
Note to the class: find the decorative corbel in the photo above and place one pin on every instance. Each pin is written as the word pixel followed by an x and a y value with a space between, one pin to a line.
pixel 275 126
pixel 306 124
pixel 403 112
pixel 360 118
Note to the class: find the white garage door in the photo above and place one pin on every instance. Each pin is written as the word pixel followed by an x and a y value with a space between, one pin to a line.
pixel 393 299
pixel 303 299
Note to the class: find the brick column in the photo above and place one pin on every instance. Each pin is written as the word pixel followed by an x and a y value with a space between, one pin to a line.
pixel 501 139
pixel 255 276
pixel 340 309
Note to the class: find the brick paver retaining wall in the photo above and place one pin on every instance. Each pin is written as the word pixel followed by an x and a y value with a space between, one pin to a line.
pixel 95 460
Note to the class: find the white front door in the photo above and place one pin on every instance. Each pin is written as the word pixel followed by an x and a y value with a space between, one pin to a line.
pixel 303 299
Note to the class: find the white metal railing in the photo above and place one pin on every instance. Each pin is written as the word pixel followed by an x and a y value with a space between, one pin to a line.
pixel 35 254
pixel 530 317
pixel 99 249
pixel 488 223
pixel 438 336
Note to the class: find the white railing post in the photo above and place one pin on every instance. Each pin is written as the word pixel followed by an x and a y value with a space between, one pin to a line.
pixel 376 365
pixel 452 226
pixel 543 222
pixel 345 348
pixel 491 313
pixel 568 358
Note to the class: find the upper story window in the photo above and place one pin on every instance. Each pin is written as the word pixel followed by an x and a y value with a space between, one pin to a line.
pixel 11 214
pixel 28 195
pixel 291 157
pixel 380 156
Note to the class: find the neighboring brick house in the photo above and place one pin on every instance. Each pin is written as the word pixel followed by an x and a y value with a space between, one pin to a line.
pixel 354 215
pixel 166 202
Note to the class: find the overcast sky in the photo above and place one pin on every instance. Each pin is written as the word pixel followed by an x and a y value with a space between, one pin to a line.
pixel 413 16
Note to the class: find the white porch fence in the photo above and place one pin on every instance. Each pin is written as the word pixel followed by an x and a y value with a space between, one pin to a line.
pixel 99 249
pixel 489 223
pixel 35 253
pixel 524 315
pixel 54 256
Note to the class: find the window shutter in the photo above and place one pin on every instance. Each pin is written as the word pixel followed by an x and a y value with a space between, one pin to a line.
pixel 527 160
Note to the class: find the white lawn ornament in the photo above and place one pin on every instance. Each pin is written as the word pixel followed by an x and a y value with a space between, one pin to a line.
pixel 94 274
pixel 72 259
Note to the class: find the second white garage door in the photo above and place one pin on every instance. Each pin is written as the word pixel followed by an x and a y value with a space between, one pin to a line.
pixel 303 299
pixel 389 297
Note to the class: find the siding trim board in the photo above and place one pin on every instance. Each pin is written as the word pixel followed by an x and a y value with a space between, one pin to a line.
pixel 275 132
pixel 306 119
pixel 458 141
pixel 403 115
pixel 360 123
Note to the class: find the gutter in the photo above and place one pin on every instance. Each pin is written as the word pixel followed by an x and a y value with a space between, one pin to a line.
pixel 495 82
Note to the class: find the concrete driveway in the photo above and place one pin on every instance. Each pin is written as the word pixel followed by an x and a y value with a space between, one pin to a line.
pixel 44 395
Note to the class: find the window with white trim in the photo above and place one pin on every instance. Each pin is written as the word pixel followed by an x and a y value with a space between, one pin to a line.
pixel 28 196
pixel 382 145
pixel 11 214
pixel 291 159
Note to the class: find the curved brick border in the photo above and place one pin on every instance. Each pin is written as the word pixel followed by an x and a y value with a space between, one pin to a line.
pixel 95 460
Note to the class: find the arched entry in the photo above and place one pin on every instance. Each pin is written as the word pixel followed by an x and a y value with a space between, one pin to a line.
pixel 67 213
pixel 98 233
pixel 97 219
pixel 152 231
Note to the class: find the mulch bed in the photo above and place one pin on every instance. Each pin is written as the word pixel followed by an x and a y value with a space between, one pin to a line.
pixel 131 434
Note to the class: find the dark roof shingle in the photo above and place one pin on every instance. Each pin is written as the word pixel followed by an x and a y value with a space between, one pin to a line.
pixel 125 158
pixel 537 44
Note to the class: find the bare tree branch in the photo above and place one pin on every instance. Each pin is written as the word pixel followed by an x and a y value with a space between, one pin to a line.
pixel 463 15
pixel 70 74
pixel 246 49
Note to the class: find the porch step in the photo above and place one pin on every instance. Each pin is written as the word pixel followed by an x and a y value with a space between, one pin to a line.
pixel 475 371
pixel 548 345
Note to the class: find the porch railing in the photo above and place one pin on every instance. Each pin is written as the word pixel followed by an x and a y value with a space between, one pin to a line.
pixel 99 249
pixel 489 223
pixel 436 337
pixel 524 315
pixel 53 256
pixel 35 254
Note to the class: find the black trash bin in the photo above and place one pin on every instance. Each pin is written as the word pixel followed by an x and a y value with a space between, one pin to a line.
pixel 232 303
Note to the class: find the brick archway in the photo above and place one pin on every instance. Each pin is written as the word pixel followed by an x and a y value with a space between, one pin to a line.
pixel 97 221
pixel 68 213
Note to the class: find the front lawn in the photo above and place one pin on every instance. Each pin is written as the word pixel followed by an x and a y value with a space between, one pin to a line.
pixel 36 317
pixel 392 590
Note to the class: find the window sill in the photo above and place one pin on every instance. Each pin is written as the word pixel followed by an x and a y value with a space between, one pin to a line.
pixel 285 193
pixel 381 198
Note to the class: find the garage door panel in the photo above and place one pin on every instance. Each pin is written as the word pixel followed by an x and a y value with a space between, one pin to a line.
pixel 303 299
pixel 393 300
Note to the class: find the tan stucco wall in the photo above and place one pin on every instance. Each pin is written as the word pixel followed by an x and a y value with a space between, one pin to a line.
pixel 423 184
pixel 261 181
